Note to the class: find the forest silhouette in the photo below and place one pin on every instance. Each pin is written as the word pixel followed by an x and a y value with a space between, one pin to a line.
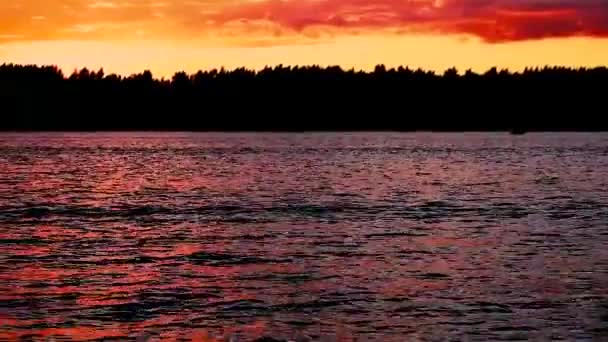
pixel 304 98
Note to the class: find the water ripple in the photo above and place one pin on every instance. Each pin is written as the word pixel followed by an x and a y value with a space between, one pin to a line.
pixel 374 236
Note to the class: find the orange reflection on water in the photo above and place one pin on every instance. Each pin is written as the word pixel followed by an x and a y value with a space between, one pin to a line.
pixel 36 273
pixel 178 249
pixel 171 238
pixel 71 334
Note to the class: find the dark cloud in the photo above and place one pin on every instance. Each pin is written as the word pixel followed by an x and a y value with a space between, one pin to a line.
pixel 491 20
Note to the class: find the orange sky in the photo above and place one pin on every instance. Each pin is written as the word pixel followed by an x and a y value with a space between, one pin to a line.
pixel 127 36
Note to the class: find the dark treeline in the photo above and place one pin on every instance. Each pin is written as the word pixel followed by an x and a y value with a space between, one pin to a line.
pixel 304 98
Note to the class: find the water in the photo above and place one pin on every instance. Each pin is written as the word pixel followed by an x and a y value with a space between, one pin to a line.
pixel 370 236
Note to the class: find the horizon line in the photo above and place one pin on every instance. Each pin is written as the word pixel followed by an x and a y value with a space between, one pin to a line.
pixel 387 68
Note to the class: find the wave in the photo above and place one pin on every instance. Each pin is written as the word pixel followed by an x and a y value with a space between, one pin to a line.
pixel 255 212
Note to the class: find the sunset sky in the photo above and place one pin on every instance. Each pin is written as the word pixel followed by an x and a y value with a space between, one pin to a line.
pixel 127 36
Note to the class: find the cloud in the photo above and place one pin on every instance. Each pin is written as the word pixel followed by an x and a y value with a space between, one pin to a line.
pixel 491 20
pixel 283 21
pixel 30 20
pixel 103 4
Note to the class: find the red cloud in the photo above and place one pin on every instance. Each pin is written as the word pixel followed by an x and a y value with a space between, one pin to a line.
pixel 491 20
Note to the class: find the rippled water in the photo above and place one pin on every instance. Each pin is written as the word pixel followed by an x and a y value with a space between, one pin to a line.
pixel 340 236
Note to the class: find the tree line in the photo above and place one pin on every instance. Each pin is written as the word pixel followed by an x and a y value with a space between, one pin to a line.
pixel 301 98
